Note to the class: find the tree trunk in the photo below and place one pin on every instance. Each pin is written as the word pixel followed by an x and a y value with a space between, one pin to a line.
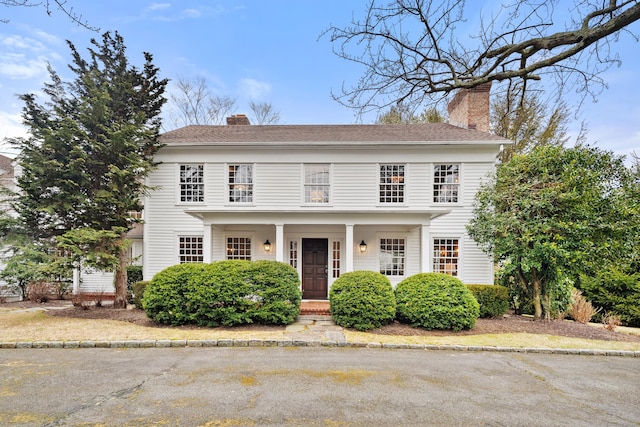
pixel 537 303
pixel 121 275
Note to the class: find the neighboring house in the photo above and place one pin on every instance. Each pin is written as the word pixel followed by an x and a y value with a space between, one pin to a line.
pixel 7 181
pixel 326 199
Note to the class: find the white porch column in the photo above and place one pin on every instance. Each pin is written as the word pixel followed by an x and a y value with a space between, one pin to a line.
pixel 280 242
pixel 207 250
pixel 425 246
pixel 348 244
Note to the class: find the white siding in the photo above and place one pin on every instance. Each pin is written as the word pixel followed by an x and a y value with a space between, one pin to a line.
pixel 278 188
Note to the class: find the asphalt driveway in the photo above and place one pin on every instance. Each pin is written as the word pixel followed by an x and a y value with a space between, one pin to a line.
pixel 313 386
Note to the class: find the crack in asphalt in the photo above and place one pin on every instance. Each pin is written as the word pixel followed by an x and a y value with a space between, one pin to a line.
pixel 100 400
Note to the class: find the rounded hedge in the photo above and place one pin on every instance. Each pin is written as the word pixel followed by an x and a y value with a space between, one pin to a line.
pixel 362 300
pixel 225 293
pixel 436 301
pixel 493 299
pixel 165 299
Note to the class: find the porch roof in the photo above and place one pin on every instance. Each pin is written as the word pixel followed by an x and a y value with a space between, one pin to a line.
pixel 399 216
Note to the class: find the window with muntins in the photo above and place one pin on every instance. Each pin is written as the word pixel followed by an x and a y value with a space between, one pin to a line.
pixel 445 256
pixel 239 248
pixel 293 253
pixel 316 184
pixel 446 183
pixel 392 256
pixel 192 183
pixel 190 249
pixel 240 183
pixel 391 183
pixel 335 259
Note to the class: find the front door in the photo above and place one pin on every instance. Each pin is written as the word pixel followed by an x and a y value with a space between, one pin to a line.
pixel 314 268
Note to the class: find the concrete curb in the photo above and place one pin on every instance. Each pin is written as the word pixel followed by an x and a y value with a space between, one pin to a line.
pixel 302 343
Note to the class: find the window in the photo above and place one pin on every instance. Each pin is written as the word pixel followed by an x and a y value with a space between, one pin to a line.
pixel 293 253
pixel 190 249
pixel 392 257
pixel 445 256
pixel 239 248
pixel 391 183
pixel 316 184
pixel 446 183
pixel 335 259
pixel 240 183
pixel 192 183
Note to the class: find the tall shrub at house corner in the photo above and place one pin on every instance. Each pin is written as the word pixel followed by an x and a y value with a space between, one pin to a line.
pixel 166 296
pixel 362 300
pixel 90 146
pixel 436 301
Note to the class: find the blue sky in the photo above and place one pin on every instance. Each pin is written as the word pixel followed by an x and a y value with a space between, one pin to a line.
pixel 266 51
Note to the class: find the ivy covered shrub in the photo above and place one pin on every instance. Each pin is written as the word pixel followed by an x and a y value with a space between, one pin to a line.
pixel 436 301
pixel 616 291
pixel 362 300
pixel 493 299
pixel 138 291
pixel 228 293
pixel 165 298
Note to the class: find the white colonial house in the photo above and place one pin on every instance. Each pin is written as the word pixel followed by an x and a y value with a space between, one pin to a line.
pixel 327 199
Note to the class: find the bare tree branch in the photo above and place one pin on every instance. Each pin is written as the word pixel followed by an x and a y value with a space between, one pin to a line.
pixel 264 113
pixel 414 51
pixel 49 5
pixel 195 104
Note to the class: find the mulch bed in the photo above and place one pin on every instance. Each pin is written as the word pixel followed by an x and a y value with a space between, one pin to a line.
pixel 507 324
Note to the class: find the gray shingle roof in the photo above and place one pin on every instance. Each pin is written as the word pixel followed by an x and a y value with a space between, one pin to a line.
pixel 419 133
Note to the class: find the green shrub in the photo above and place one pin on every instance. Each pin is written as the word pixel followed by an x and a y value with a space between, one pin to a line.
pixel 617 292
pixel 493 299
pixel 436 301
pixel 134 275
pixel 228 293
pixel 362 300
pixel 165 299
pixel 138 292
pixel 275 293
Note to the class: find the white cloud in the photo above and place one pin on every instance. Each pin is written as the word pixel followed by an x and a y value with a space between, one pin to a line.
pixel 191 13
pixel 159 6
pixel 11 125
pixel 18 66
pixel 254 89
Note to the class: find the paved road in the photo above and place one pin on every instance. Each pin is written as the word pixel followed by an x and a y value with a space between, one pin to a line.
pixel 314 386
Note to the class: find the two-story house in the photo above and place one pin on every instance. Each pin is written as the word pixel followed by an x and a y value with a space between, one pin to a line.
pixel 327 199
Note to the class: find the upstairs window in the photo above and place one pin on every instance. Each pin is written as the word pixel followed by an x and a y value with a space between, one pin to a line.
pixel 391 183
pixel 240 183
pixel 445 256
pixel 192 183
pixel 446 183
pixel 316 184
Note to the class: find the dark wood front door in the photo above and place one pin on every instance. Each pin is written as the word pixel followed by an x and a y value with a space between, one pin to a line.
pixel 314 268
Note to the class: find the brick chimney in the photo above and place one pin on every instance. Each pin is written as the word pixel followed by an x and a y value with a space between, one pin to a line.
pixel 469 108
pixel 238 119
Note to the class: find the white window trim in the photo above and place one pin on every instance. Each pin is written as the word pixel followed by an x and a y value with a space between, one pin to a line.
pixel 392 235
pixel 303 201
pixel 179 184
pixel 186 234
pixel 405 201
pixel 460 251
pixel 460 184
pixel 239 234
pixel 227 202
